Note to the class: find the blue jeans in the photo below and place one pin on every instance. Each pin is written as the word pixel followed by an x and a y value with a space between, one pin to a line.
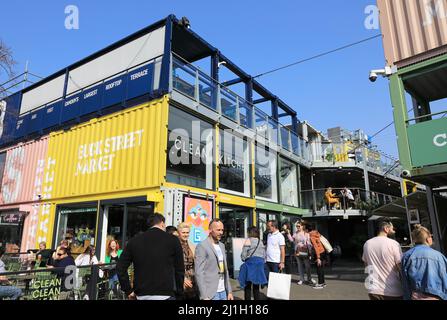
pixel 10 292
pixel 271 267
pixel 220 296
pixel 112 281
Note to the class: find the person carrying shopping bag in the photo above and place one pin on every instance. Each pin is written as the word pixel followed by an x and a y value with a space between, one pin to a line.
pixel 251 274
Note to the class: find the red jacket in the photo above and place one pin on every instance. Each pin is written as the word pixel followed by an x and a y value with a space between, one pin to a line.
pixel 316 243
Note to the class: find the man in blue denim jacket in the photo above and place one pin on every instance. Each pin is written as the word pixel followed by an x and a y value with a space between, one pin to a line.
pixel 424 269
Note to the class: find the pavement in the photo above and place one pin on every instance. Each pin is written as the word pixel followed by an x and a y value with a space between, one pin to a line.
pixel 345 281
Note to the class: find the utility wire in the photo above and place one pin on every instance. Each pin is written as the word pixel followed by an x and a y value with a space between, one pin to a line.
pixel 319 55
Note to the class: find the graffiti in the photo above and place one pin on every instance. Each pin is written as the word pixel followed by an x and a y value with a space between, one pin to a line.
pixel 12 182
pixel 198 214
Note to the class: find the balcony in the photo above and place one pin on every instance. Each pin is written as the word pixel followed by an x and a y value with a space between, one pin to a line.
pixel 342 154
pixel 364 202
pixel 193 83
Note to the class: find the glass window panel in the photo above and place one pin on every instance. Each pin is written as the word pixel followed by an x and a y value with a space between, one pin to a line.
pixel 206 89
pixel 190 145
pixel 273 129
pixel 228 101
pixel 295 144
pixel 245 114
pixel 183 78
pixel 77 224
pixel 265 170
pixel 234 165
pixel 261 123
pixel 285 138
pixel 289 183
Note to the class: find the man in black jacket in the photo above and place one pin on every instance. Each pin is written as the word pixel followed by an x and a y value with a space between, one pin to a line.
pixel 157 258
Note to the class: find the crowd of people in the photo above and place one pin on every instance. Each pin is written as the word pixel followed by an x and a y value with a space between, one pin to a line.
pixel 418 274
pixel 202 272
pixel 172 267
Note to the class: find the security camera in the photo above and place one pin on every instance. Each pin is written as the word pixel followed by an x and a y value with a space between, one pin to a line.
pixel 374 74
pixel 405 174
pixel 184 22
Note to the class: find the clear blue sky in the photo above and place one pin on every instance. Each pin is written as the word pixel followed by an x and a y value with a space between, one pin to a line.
pixel 256 35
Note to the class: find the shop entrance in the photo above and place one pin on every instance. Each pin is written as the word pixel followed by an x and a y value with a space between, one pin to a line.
pixel 124 221
pixel 262 218
pixel 236 220
pixel 76 223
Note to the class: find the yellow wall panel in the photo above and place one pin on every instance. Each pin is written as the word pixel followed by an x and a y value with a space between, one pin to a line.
pixel 123 151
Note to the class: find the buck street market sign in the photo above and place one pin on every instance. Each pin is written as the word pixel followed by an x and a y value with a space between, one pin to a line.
pixel 428 142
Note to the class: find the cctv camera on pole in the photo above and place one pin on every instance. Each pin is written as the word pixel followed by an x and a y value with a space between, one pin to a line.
pixel 373 74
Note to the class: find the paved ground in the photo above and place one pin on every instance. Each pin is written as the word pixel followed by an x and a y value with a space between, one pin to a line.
pixel 345 281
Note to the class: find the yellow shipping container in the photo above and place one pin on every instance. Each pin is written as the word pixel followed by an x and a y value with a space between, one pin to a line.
pixel 120 152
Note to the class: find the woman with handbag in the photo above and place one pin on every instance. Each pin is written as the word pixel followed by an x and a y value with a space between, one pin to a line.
pixel 303 248
pixel 251 274
pixel 190 289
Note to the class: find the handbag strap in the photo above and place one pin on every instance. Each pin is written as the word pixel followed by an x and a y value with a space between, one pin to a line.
pixel 259 240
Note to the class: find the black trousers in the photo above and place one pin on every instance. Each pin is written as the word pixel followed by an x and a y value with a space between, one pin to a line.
pixel 320 269
pixel 248 289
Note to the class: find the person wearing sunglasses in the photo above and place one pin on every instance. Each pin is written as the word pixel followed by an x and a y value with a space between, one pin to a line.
pixel 62 261
pixel 424 269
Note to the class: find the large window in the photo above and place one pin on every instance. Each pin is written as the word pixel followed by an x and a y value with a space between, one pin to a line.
pixel 190 150
pixel 265 169
pixel 234 164
pixel 77 224
pixel 11 229
pixel 125 221
pixel 289 183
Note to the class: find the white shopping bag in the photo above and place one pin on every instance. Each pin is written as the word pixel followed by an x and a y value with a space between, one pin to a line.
pixel 279 286
pixel 326 244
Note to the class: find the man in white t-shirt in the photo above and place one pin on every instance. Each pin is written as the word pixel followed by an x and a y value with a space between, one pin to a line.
pixel 382 257
pixel 275 252
pixel 210 265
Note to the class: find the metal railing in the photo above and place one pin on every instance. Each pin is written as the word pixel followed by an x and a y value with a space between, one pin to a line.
pixel 362 200
pixel 427 117
pixel 91 282
pixel 94 84
pixel 348 153
pixel 195 84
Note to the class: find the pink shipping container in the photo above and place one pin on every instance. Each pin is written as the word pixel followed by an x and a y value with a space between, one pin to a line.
pixel 22 184
pixel 413 30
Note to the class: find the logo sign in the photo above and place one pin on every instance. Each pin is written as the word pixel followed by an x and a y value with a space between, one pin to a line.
pixel 10 218
pixel 428 142
pixel 46 289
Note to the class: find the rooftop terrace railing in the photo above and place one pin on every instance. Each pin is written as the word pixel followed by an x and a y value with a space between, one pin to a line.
pixel 348 153
pixel 190 81
pixel 427 117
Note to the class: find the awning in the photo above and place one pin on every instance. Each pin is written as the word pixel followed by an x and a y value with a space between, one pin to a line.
pixel 395 209
pixel 398 209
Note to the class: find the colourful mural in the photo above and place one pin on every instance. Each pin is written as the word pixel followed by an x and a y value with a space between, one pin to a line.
pixel 198 214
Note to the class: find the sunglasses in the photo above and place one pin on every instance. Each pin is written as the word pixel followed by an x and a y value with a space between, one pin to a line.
pixel 60 254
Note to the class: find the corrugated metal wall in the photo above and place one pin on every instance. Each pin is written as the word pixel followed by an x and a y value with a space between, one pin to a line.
pixel 24 168
pixel 119 152
pixel 413 30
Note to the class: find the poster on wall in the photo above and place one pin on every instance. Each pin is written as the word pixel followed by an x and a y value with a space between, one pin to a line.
pixel 197 212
